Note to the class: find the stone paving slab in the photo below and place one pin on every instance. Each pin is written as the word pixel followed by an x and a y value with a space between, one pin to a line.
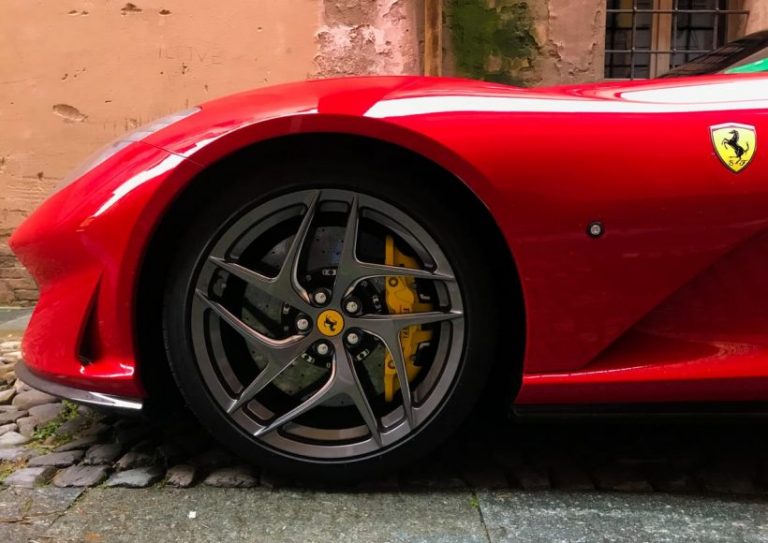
pixel 257 515
pixel 524 517
pixel 25 513
pixel 30 477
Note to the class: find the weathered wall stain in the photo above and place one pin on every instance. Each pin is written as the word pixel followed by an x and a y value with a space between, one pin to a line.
pixel 69 113
pixel 130 8
pixel 573 42
pixel 373 37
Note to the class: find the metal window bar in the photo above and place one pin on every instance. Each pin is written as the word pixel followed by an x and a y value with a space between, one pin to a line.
pixel 720 13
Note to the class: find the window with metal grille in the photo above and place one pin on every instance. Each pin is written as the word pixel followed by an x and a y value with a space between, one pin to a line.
pixel 645 38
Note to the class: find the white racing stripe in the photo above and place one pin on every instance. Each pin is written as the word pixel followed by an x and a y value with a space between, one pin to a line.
pixel 728 96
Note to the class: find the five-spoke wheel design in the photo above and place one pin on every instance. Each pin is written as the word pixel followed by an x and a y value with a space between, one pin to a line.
pixel 327 324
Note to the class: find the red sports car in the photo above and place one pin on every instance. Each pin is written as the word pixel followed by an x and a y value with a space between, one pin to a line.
pixel 329 272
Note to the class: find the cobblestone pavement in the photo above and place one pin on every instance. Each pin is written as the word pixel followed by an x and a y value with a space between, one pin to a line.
pixel 73 474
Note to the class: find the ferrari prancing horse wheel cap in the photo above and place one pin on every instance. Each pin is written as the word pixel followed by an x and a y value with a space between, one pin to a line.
pixel 330 323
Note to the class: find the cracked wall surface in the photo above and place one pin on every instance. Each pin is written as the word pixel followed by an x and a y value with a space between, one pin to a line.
pixel 571 38
pixel 367 37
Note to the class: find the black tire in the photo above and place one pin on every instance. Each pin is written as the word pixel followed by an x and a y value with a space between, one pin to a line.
pixel 415 196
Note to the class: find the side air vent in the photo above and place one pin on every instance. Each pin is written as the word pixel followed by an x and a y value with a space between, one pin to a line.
pixel 88 349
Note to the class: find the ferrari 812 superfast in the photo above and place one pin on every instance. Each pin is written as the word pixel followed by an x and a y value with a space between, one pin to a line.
pixel 333 273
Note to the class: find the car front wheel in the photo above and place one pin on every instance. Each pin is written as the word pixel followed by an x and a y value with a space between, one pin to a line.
pixel 330 323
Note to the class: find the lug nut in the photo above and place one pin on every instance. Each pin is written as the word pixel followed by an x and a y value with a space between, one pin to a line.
pixel 353 338
pixel 322 348
pixel 352 306
pixel 302 324
pixel 320 297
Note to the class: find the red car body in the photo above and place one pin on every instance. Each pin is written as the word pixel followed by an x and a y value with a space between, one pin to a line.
pixel 667 305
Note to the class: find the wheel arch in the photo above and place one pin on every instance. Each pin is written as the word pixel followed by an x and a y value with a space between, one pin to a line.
pixel 152 363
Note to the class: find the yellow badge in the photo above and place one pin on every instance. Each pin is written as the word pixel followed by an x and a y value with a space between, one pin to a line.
pixel 330 323
pixel 734 144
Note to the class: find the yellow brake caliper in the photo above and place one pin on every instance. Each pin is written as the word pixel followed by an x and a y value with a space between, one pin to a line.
pixel 401 297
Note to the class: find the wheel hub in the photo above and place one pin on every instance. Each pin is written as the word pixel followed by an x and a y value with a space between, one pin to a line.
pixel 330 323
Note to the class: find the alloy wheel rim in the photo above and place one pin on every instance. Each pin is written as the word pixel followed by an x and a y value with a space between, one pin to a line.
pixel 220 327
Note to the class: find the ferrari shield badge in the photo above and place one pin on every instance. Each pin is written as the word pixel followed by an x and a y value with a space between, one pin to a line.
pixel 734 144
